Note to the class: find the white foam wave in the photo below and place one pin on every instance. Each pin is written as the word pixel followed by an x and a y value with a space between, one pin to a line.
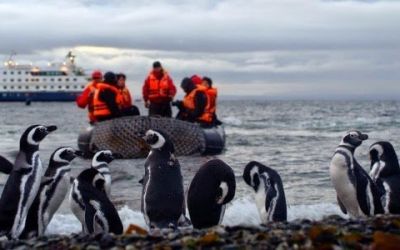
pixel 232 120
pixel 239 212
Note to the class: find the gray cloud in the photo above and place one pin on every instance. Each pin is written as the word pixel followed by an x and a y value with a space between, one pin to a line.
pixel 317 48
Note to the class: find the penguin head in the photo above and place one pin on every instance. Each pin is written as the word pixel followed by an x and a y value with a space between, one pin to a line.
pixel 157 139
pixel 254 172
pixel 354 138
pixel 34 134
pixel 103 156
pixel 384 161
pixel 64 155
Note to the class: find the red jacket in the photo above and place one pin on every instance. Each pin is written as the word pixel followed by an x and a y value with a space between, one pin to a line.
pixel 165 92
pixel 85 99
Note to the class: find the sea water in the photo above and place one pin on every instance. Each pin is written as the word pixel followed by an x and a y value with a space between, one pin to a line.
pixel 296 138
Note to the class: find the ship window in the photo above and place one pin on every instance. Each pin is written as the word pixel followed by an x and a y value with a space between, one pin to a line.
pixel 12 72
pixel 37 87
pixel 26 87
pixel 44 79
pixel 60 87
pixel 19 80
pixel 67 87
pixel 26 72
pixel 52 79
pixel 75 79
pixel 12 79
pixel 12 87
pixel 75 86
pixel 19 72
pixel 59 79
pixel 45 87
pixel 4 87
pixel 52 87
pixel 4 72
pixel 67 79
pixel 26 79
pixel 82 86
pixel 4 80
pixel 19 87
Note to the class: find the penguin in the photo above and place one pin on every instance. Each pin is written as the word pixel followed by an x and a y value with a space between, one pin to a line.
pixel 270 195
pixel 99 214
pixel 162 201
pixel 23 182
pixel 54 187
pixel 385 172
pixel 211 189
pixel 356 193
pixel 100 162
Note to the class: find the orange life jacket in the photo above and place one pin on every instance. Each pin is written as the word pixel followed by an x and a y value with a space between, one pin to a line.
pixel 211 107
pixel 189 103
pixel 92 86
pixel 100 107
pixel 124 98
pixel 159 89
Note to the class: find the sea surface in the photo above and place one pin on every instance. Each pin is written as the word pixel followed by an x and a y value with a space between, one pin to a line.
pixel 296 138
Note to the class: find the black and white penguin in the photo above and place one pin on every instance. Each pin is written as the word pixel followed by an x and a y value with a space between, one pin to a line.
pixel 385 172
pixel 23 182
pixel 162 196
pixel 270 195
pixel 212 187
pixel 356 193
pixel 100 162
pixel 53 189
pixel 99 214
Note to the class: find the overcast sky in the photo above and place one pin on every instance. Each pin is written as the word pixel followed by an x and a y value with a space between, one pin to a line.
pixel 275 48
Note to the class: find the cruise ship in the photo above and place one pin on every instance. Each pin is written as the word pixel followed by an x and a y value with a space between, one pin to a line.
pixel 26 83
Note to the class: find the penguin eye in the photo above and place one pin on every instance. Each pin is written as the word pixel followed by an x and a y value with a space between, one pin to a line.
pixel 352 135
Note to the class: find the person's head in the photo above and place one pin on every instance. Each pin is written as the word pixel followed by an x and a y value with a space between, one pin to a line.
pixel 121 80
pixel 187 85
pixel 207 82
pixel 157 67
pixel 196 79
pixel 110 78
pixel 97 76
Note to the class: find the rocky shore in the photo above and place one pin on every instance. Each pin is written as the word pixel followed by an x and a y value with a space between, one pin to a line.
pixel 380 232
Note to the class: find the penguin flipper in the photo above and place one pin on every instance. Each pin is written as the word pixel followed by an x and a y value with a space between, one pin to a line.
pixel 90 214
pixel 5 165
pixel 361 183
pixel 342 207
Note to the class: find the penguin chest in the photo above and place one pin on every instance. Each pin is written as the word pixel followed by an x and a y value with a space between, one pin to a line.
pixel 260 198
pixel 345 189
pixel 56 194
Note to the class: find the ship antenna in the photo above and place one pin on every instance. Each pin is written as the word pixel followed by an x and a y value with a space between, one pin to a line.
pixel 71 57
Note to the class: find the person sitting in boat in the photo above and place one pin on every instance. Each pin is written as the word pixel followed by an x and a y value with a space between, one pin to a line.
pixel 124 97
pixel 85 99
pixel 193 106
pixel 158 91
pixel 105 100
pixel 212 94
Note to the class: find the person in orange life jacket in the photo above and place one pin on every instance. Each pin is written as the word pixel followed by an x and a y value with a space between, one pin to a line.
pixel 212 95
pixel 85 99
pixel 105 99
pixel 158 91
pixel 194 103
pixel 124 97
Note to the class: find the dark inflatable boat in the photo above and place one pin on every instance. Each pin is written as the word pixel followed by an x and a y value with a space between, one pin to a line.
pixel 123 136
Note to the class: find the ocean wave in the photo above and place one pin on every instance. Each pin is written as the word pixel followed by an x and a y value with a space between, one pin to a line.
pixel 239 212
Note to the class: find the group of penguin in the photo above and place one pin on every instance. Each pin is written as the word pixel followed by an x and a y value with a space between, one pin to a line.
pixel 360 194
pixel 33 193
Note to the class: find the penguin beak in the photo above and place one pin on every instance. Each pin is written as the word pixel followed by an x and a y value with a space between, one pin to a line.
pixel 364 137
pixel 51 128
pixel 78 153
